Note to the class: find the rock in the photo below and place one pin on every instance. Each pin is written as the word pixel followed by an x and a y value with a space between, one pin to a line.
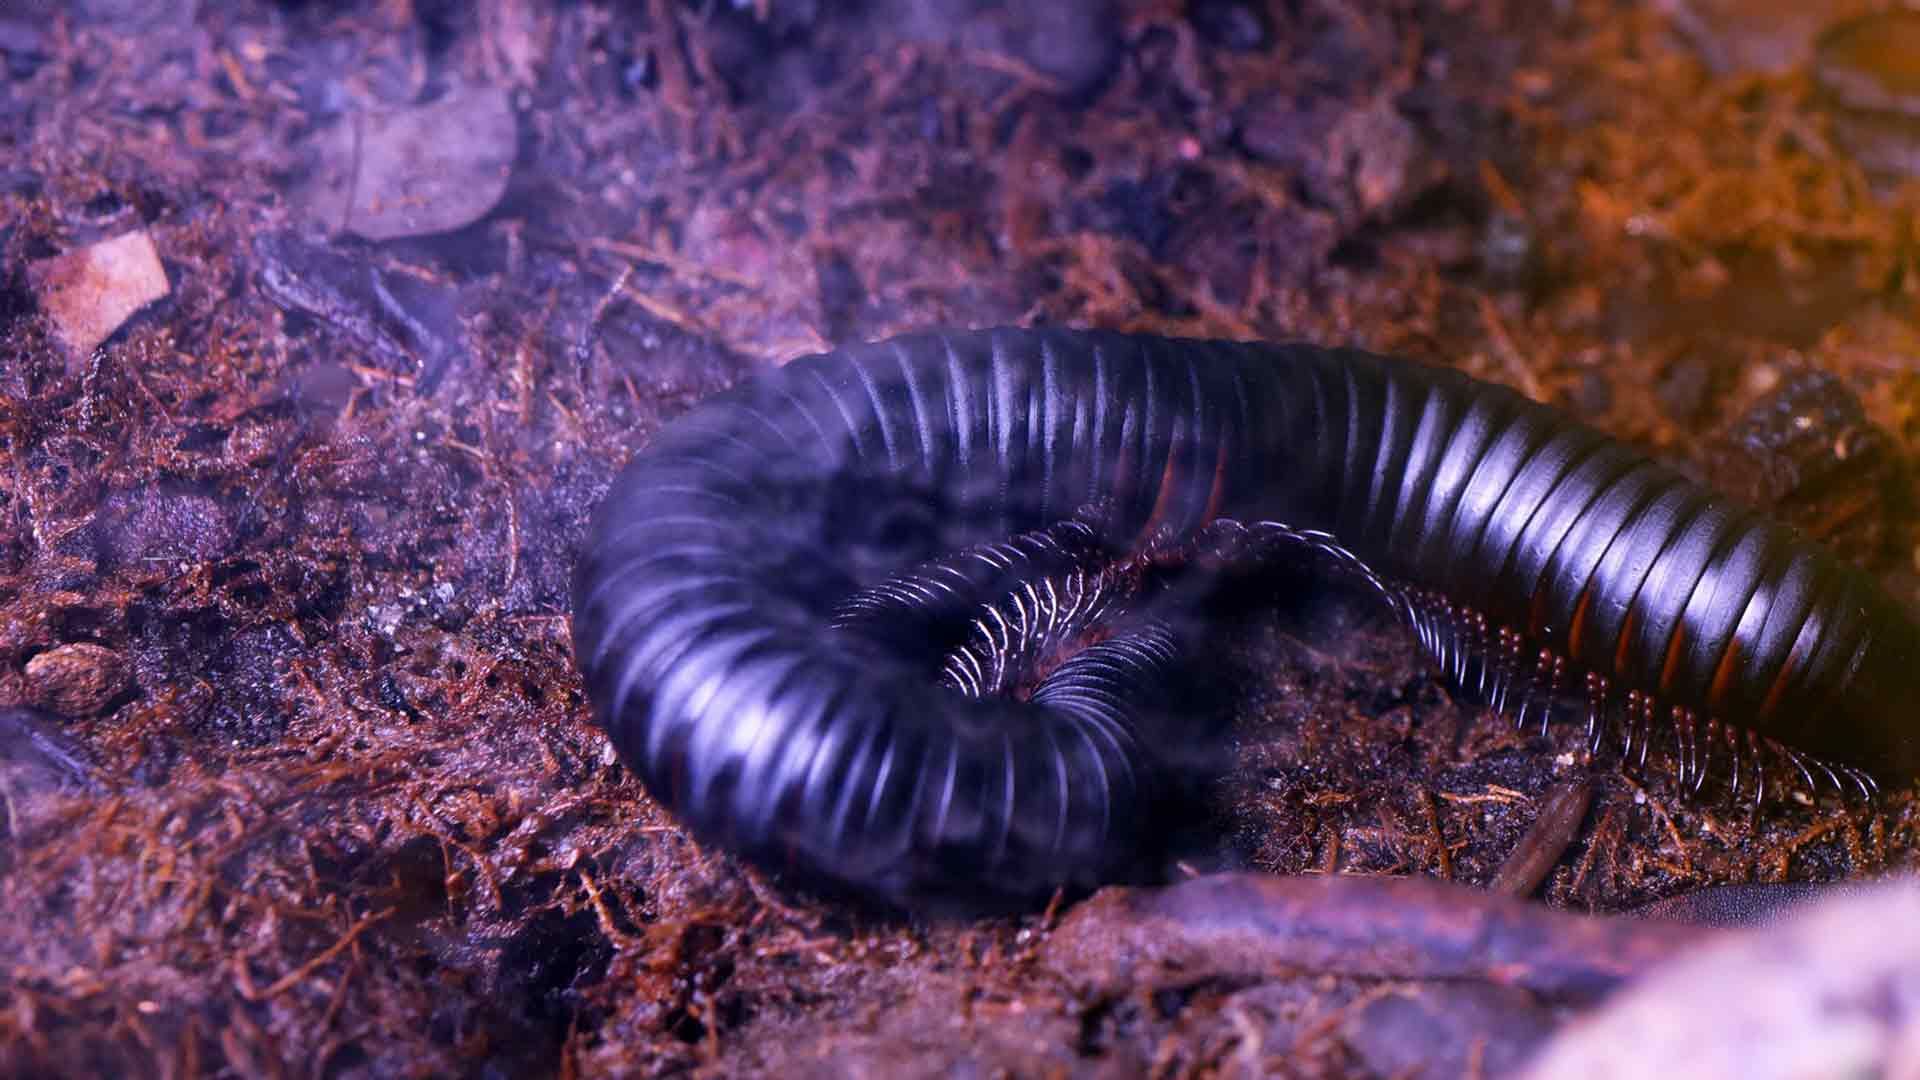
pixel 1807 453
pixel 77 679
pixel 1380 148
pixel 1361 160
pixel 89 293
pixel 1833 993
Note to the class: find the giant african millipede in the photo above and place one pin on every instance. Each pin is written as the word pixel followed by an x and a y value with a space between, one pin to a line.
pixel 754 603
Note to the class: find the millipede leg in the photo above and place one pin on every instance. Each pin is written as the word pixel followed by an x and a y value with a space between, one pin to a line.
pixel 1832 780
pixel 1704 734
pixel 1596 712
pixel 1556 671
pixel 1734 784
pixel 1868 788
pixel 1685 746
pixel 1806 775
pixel 1631 725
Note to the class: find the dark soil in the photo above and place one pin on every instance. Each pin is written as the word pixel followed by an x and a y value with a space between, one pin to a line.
pixel 302 780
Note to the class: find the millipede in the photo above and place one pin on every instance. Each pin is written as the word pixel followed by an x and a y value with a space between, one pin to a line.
pixel 871 617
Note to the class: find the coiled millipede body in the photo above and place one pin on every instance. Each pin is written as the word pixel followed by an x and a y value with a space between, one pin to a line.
pixel 759 612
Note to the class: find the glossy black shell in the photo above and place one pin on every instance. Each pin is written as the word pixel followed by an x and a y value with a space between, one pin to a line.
pixel 703 601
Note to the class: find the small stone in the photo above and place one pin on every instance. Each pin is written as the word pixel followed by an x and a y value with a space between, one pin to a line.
pixel 77 679
pixel 1361 160
pixel 1807 453
pixel 1381 147
pixel 89 293
pixel 1827 990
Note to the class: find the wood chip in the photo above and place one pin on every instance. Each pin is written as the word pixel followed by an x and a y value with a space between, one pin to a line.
pixel 89 293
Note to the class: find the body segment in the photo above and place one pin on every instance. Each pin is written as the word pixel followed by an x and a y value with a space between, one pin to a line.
pixel 705 601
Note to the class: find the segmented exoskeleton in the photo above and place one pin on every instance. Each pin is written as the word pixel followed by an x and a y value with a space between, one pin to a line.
pixel 1533 555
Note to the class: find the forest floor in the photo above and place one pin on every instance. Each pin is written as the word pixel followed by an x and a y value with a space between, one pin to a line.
pixel 302 780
